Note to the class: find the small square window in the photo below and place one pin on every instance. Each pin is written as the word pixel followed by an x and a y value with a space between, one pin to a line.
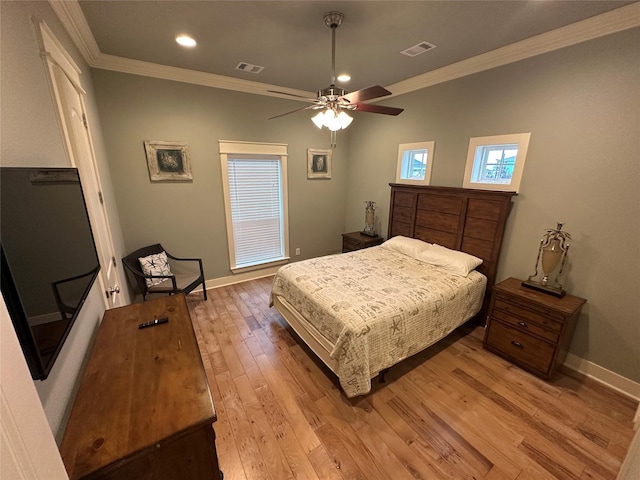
pixel 414 163
pixel 496 162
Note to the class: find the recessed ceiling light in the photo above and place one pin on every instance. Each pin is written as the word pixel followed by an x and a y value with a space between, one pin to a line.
pixel 186 41
pixel 344 78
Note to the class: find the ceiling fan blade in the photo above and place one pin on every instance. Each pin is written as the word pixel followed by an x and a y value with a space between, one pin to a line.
pixel 292 95
pixel 368 93
pixel 310 107
pixel 365 107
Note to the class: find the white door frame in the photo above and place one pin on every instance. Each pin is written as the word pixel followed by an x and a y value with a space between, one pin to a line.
pixel 61 69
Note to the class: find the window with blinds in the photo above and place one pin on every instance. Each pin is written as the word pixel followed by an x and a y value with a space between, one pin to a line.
pixel 255 203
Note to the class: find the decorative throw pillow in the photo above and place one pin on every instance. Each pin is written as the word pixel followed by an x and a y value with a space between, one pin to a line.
pixel 409 246
pixel 457 262
pixel 156 264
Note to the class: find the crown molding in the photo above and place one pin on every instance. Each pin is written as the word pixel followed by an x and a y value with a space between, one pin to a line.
pixel 624 18
pixel 164 72
pixel 607 23
pixel 74 21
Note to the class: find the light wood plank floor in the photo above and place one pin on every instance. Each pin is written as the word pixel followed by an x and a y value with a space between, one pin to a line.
pixel 455 411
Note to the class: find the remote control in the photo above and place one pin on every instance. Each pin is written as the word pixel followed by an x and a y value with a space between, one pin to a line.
pixel 152 323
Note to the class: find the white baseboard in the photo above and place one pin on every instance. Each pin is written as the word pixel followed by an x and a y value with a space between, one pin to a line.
pixel 607 377
pixel 239 278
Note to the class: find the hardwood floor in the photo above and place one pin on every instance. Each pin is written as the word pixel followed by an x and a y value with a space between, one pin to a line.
pixel 454 411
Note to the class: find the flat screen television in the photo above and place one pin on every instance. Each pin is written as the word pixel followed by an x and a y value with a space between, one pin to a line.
pixel 49 258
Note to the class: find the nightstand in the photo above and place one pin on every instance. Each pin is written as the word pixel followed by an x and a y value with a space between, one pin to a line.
pixel 357 241
pixel 530 328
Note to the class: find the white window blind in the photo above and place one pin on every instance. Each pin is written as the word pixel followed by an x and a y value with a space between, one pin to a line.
pixel 255 197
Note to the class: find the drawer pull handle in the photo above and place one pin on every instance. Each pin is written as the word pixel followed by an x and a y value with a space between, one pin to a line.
pixel 516 344
pixel 523 324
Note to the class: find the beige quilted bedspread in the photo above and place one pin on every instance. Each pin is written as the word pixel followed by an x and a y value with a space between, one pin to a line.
pixel 377 307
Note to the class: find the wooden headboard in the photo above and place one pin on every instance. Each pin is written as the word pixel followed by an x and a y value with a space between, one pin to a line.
pixel 472 221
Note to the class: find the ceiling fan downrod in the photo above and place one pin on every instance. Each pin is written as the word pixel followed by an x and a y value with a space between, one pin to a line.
pixel 333 20
pixel 334 102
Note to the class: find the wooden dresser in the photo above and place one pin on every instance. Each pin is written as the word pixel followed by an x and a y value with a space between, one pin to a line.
pixel 530 328
pixel 143 409
pixel 356 241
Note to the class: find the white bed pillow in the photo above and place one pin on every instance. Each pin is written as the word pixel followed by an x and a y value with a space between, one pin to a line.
pixel 409 246
pixel 460 263
pixel 156 264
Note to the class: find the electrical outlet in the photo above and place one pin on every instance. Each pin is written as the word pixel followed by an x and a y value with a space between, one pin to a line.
pixel 297 251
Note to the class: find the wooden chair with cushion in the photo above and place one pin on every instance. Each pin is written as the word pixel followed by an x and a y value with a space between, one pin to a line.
pixel 151 269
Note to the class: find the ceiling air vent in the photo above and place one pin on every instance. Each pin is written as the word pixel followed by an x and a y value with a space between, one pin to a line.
pixel 247 67
pixel 418 49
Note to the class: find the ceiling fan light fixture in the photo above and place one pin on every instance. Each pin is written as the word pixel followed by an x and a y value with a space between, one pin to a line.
pixel 332 120
pixel 333 102
pixel 318 119
pixel 344 119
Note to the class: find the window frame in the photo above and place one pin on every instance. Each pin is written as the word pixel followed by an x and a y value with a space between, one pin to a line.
pixel 404 147
pixel 268 151
pixel 519 139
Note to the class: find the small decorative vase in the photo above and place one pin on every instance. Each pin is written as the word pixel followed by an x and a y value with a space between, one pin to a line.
pixel 369 219
pixel 551 257
pixel 551 254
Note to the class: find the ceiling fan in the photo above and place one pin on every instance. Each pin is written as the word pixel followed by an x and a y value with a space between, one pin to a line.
pixel 335 102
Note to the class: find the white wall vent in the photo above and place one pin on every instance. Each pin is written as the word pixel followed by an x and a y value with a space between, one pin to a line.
pixel 247 67
pixel 418 49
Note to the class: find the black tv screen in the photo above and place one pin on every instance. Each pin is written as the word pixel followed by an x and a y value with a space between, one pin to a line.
pixel 49 258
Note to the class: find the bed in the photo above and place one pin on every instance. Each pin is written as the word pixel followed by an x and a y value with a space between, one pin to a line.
pixel 362 312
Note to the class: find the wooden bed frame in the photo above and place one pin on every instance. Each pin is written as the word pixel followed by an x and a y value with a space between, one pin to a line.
pixel 472 221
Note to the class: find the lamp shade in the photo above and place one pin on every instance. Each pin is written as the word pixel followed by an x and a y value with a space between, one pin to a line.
pixel 344 119
pixel 318 119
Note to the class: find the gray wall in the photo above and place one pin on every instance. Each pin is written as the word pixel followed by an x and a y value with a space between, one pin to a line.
pixel 581 105
pixel 30 136
pixel 188 218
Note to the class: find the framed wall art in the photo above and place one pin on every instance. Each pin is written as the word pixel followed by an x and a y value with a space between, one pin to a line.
pixel 319 163
pixel 168 161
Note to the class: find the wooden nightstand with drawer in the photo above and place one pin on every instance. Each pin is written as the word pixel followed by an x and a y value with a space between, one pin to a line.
pixel 530 328
pixel 357 241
